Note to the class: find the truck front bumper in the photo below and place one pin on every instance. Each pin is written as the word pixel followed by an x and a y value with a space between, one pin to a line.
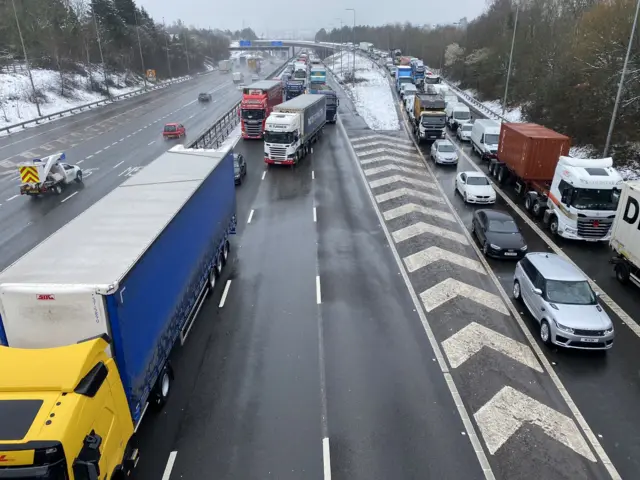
pixel 271 161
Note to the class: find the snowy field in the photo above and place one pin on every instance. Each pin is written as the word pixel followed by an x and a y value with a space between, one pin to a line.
pixel 371 94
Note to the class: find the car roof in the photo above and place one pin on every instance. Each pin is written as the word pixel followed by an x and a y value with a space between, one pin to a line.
pixel 172 124
pixel 444 142
pixel 474 174
pixel 495 214
pixel 554 267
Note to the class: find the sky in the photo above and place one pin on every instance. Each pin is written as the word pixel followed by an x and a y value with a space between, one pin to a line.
pixel 274 17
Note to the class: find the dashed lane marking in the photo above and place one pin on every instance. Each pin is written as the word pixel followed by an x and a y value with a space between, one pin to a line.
pixel 169 467
pixel 264 174
pixel 250 216
pixel 79 162
pixel 70 196
pixel 118 164
pixel 224 294
pixel 11 198
pixel 318 291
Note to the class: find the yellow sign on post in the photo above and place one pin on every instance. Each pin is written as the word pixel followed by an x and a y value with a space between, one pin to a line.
pixel 151 75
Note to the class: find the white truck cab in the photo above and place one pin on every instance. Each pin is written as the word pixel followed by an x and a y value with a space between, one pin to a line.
pixel 484 138
pixel 457 114
pixel 282 136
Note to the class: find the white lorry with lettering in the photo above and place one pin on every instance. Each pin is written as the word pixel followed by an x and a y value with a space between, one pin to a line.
pixel 625 234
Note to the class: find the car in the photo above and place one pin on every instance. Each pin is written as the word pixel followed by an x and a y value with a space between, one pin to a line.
pixel 204 97
pixel 255 78
pixel 239 168
pixel 498 234
pixel 475 187
pixel 464 132
pixel 444 152
pixel 174 130
pixel 560 299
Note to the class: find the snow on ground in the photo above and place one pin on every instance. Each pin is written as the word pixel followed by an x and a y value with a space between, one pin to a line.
pixel 371 93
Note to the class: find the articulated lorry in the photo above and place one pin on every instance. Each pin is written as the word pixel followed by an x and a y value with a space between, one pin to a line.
pixel 89 317
pixel 428 117
pixel 625 235
pixel 293 88
pixel 238 78
pixel 417 72
pixel 333 102
pixel 318 75
pixel 224 66
pixel 292 128
pixel 403 75
pixel 576 198
pixel 258 100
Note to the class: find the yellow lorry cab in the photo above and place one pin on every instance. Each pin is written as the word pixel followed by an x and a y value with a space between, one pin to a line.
pixel 64 414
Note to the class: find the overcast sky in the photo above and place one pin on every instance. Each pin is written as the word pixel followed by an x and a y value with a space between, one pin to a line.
pixel 266 16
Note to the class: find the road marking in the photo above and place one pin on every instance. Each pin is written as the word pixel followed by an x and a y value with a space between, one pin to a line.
pixel 315 217
pixel 114 143
pixel 388 151
pixel 118 164
pixel 434 254
pixel 167 470
pixel 326 458
pixel 318 296
pixel 264 174
pixel 11 198
pixel 191 116
pixel 99 151
pixel 225 292
pixel 509 409
pixel 151 143
pixel 401 178
pixel 128 136
pixel 401 192
pixel 107 147
pixel 412 163
pixel 79 162
pixel 421 227
pixel 89 156
pixel 451 288
pixel 395 168
pixel 250 216
pixel 413 208
pixel 377 137
pixel 382 143
pixel 72 195
pixel 122 139
pixel 313 175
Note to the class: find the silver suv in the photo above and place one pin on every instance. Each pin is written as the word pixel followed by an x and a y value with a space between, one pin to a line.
pixel 559 297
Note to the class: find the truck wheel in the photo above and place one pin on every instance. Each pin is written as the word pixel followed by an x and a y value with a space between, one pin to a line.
pixel 553 225
pixel 163 387
pixel 537 208
pixel 79 177
pixel 622 273
pixel 528 203
pixel 502 175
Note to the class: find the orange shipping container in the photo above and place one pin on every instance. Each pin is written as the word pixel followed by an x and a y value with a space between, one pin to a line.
pixel 531 151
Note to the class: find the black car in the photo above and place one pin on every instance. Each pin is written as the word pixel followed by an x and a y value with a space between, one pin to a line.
pixel 498 234
pixel 239 167
pixel 204 97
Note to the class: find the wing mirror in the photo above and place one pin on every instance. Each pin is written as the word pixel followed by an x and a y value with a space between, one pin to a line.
pixel 537 291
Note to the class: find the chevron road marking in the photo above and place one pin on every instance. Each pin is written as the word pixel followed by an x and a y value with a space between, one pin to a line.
pixel 464 344
pixel 435 254
pixel 406 192
pixel 451 288
pixel 383 158
pixel 401 178
pixel 389 151
pixel 381 137
pixel 413 208
pixel 421 227
pixel 381 143
pixel 510 409
pixel 397 168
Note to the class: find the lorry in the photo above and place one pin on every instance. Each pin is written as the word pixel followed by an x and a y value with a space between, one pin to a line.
pixel 625 234
pixel 293 88
pixel 88 317
pixel 300 71
pixel 366 46
pixel 224 66
pixel 403 75
pixel 417 72
pixel 432 79
pixel 576 198
pixel 318 75
pixel 254 64
pixel 332 100
pixel 238 78
pixel 293 127
pixel 258 100
pixel 50 174
pixel 428 116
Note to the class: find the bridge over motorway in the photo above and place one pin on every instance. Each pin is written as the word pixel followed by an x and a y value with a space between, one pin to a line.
pixel 281 45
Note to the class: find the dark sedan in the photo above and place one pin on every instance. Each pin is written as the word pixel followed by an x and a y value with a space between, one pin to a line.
pixel 204 97
pixel 498 235
pixel 239 168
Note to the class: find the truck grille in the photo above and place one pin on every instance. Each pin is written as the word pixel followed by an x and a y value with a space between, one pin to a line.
pixel 589 333
pixel 253 129
pixel 277 153
pixel 594 227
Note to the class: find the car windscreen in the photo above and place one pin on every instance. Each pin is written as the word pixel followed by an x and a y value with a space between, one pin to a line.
pixel 170 128
pixel 503 226
pixel 572 293
pixel 477 181
pixel 446 148
pixel 278 137
pixel 461 115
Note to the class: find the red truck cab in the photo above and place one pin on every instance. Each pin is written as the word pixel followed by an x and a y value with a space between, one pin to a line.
pixel 258 100
pixel 173 130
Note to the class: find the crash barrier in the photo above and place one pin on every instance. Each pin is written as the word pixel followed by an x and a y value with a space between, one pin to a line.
pixel 217 133
pixel 97 103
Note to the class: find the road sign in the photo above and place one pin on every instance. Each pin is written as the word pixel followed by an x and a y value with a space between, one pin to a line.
pixel 245 43
pixel 276 43
pixel 151 75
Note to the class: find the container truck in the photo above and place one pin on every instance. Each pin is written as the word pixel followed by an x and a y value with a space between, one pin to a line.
pixel 293 88
pixel 258 100
pixel 224 66
pixel 417 72
pixel 333 102
pixel 428 117
pixel 292 128
pixel 625 235
pixel 88 317
pixel 576 198
pixel 238 77
pixel 403 75
pixel 318 75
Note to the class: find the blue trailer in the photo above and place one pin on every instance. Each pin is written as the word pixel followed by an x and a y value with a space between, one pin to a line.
pixel 318 75
pixel 137 266
pixel 403 75
pixel 293 88
pixel 417 72
pixel 332 100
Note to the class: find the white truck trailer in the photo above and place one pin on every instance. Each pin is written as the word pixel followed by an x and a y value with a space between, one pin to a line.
pixel 625 234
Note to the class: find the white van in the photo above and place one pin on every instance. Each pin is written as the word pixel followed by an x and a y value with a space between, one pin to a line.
pixel 485 136
pixel 407 89
pixel 457 114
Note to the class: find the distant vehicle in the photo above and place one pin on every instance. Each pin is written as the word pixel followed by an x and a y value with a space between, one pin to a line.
pixel 464 132
pixel 559 297
pixel 239 168
pixel 498 234
pixel 255 77
pixel 475 188
pixel 393 70
pixel 205 97
pixel 457 114
pixel 174 130
pixel 47 175
pixel 408 89
pixel 238 77
pixel 224 66
pixel 443 152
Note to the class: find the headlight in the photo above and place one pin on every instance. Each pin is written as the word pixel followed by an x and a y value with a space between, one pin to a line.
pixel 495 247
pixel 564 328
pixel 609 330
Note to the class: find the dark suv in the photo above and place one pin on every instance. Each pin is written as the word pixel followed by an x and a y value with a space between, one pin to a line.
pixel 204 97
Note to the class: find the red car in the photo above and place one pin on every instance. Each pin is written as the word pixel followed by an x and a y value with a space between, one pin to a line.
pixel 174 130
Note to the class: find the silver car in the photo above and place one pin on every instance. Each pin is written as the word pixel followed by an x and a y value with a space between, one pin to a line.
pixel 444 152
pixel 559 297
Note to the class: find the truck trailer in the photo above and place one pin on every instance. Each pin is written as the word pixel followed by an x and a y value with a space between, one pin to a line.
pixel 625 235
pixel 333 102
pixel 89 317
pixel 403 75
pixel 292 128
pixel 575 197
pixel 318 75
pixel 293 88
pixel 224 66
pixel 258 100
pixel 428 117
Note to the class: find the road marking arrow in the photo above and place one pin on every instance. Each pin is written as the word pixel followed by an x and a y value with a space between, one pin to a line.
pixel 405 192
pixel 389 151
pixel 381 137
pixel 383 143
pixel 421 227
pixel 395 168
pixel 436 254
pixel 387 158
pixel 464 344
pixel 509 409
pixel 401 178
pixel 413 208
pixel 451 288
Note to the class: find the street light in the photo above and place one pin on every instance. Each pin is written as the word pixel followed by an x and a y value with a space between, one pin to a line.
pixel 104 68
pixel 26 59
pixel 513 41
pixel 354 38
pixel 144 71
pixel 166 42
pixel 619 94
pixel 341 30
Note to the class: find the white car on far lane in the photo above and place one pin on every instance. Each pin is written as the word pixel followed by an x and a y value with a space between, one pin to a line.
pixel 475 187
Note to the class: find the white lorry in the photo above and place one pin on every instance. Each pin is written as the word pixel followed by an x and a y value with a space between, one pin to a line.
pixel 625 234
pixel 293 127
pixel 47 175
pixel 238 78
pixel 484 138
pixel 224 66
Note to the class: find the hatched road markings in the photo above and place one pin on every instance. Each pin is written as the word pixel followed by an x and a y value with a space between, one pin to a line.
pixel 401 199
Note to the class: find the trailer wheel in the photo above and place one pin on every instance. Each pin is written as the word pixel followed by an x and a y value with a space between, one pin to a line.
pixel 528 203
pixel 502 175
pixel 537 208
pixel 225 252
pixel 622 273
pixel 163 387
pixel 219 264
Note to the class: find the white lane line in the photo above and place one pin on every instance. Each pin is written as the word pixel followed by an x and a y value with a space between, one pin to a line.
pixel 11 198
pixel 191 116
pixel 315 216
pixel 326 458
pixel 122 139
pixel 79 162
pixel 264 174
pixel 250 216
pixel 72 195
pixel 89 156
pixel 224 294
pixel 114 143
pixel 313 175
pixel 151 143
pixel 167 470
pixel 129 136
pixel 107 147
pixel 116 166
pixel 318 296
pixel 98 152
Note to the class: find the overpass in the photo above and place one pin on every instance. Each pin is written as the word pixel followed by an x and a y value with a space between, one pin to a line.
pixel 281 45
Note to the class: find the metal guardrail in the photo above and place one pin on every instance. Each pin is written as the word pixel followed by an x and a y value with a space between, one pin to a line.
pixel 475 103
pixel 217 133
pixel 104 101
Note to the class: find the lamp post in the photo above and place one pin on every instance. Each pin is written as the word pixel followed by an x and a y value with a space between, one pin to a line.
pixel 26 58
pixel 144 71
pixel 341 30
pixel 619 94
pixel 104 67
pixel 513 41
pixel 166 43
pixel 354 38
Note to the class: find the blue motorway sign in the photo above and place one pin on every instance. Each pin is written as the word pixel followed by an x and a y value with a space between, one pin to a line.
pixel 276 43
pixel 245 43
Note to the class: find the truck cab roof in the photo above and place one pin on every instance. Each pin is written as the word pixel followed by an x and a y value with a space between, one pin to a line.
pixel 589 173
